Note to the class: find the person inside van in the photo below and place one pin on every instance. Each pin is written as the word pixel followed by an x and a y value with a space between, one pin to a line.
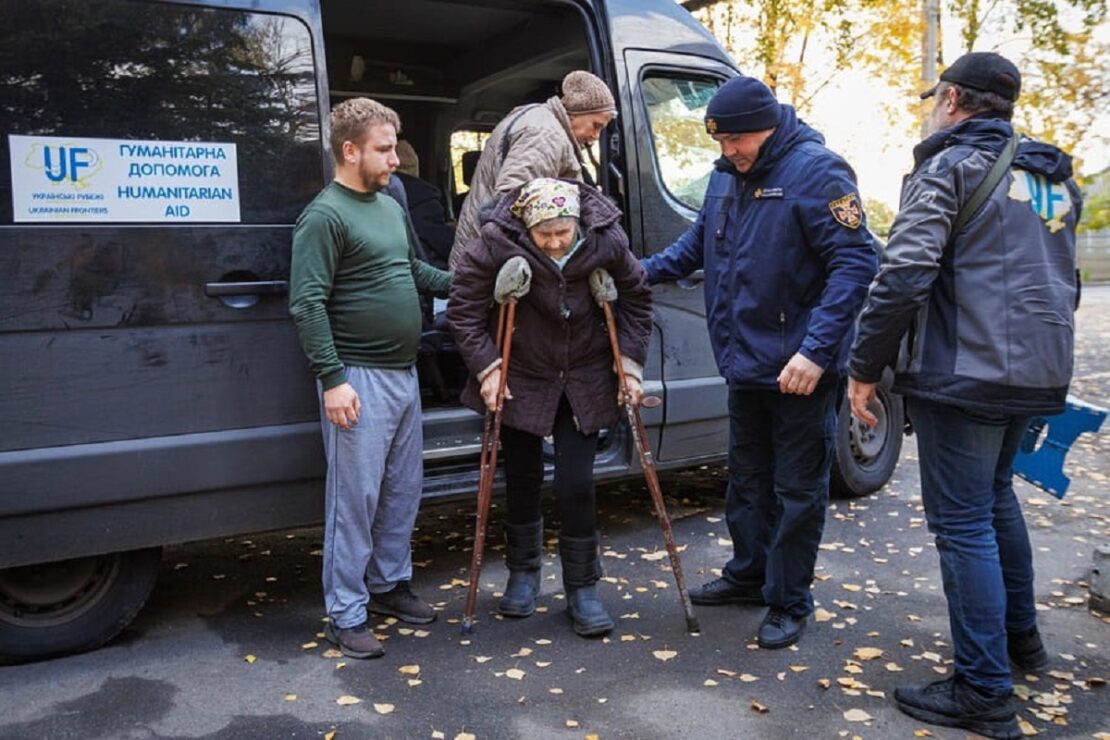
pixel 425 204
pixel 561 378
pixel 537 140
pixel 353 297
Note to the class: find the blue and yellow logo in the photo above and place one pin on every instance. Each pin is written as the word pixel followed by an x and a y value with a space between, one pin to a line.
pixel 65 165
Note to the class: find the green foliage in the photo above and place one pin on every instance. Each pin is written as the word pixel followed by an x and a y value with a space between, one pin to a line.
pixel 1096 213
pixel 880 217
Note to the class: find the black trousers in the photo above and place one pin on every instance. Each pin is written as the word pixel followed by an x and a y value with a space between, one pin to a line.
pixel 574 474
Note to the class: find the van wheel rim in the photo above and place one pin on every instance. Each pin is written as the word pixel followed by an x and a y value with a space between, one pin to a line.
pixel 54 593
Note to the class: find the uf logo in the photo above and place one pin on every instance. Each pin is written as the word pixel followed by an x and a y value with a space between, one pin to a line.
pixel 66 163
pixel 1048 199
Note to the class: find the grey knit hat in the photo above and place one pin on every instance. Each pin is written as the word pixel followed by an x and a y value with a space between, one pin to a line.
pixel 586 93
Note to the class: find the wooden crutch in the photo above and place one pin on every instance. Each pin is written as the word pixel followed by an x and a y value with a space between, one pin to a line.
pixel 513 282
pixel 604 291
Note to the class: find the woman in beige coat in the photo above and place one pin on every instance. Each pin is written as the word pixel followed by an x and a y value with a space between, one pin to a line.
pixel 537 140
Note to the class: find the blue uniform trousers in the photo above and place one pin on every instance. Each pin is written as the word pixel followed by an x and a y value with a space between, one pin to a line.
pixel 780 455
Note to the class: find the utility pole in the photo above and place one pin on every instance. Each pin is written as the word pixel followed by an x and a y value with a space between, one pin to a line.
pixel 930 48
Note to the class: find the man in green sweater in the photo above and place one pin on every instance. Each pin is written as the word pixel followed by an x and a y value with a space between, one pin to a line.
pixel 354 301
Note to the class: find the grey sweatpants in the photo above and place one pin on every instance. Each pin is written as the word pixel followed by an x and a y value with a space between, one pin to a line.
pixel 375 473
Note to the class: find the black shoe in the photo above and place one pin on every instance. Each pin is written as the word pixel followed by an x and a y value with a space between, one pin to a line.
pixel 1026 649
pixel 355 642
pixel 587 612
pixel 722 591
pixel 402 603
pixel 519 599
pixel 954 703
pixel 780 629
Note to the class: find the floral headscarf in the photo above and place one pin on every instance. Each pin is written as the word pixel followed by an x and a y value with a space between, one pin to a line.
pixel 546 198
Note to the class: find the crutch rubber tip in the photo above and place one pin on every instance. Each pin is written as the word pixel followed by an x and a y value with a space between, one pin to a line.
pixel 692 626
pixel 467 626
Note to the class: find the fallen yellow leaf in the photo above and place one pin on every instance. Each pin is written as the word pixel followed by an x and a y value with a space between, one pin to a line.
pixel 483 658
pixel 822 615
pixel 867 653
pixel 554 690
pixel 346 700
pixel 250 658
pixel 664 655
pixel 414 682
pixel 464 736
pixel 893 667
pixel 922 733
pixel 709 682
pixel 572 723
pixel 309 645
pixel 759 708
pixel 748 678
pixel 799 668
pixel 384 708
pixel 330 735
pixel 331 654
pixel 515 673
pixel 857 715
pixel 290 697
pixel 409 670
pixel 850 587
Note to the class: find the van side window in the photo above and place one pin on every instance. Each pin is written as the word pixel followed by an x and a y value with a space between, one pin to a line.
pixel 684 153
pixel 120 69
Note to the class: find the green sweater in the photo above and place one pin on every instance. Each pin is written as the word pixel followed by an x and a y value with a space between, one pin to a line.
pixel 353 287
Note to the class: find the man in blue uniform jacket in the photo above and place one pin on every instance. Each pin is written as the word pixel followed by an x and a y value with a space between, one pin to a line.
pixel 783 240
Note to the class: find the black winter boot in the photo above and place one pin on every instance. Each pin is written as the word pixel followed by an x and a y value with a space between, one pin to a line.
pixel 581 570
pixel 523 557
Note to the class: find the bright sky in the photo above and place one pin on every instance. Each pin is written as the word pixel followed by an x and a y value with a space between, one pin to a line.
pixel 849 113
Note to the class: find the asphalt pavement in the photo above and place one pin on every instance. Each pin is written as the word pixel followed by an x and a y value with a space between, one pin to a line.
pixel 231 643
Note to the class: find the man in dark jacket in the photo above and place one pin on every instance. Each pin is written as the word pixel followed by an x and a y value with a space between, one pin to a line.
pixel 787 257
pixel 989 310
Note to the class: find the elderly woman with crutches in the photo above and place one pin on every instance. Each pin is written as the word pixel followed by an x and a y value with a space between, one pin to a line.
pixel 561 378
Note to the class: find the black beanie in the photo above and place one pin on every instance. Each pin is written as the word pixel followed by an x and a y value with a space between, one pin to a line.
pixel 741 105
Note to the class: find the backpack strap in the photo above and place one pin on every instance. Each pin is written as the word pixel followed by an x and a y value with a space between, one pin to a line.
pixel 986 187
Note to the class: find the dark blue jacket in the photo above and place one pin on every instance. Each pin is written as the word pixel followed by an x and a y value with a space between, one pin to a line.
pixel 787 258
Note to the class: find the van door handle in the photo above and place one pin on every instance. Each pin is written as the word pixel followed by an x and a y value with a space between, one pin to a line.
pixel 693 280
pixel 255 287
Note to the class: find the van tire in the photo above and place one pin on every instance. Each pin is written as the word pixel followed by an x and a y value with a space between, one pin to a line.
pixel 74 605
pixel 865 458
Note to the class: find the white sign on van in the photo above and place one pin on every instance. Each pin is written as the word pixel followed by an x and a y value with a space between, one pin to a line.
pixel 67 180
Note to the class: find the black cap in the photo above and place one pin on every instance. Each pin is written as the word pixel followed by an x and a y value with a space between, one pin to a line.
pixel 984 71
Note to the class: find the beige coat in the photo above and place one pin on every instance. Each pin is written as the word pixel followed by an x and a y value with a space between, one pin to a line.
pixel 541 144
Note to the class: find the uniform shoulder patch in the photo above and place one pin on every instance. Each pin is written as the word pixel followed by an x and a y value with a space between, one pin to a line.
pixel 847 210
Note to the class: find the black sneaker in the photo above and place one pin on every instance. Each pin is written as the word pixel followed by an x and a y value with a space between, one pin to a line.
pixel 1026 649
pixel 402 603
pixel 355 642
pixel 722 591
pixel 954 703
pixel 779 629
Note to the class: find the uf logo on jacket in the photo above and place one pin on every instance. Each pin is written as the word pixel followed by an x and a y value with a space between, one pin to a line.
pixel 1048 199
